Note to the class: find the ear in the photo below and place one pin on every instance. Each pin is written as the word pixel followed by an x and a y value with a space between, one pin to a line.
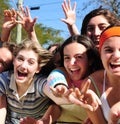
pixel 38 70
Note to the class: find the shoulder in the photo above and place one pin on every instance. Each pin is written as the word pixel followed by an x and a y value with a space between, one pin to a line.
pixel 5 76
pixel 98 76
pixel 97 81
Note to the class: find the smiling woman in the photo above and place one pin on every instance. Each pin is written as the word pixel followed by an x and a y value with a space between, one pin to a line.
pixel 21 90
pixel 78 59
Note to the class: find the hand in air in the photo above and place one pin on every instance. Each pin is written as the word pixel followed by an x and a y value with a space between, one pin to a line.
pixel 26 20
pixel 9 19
pixel 69 13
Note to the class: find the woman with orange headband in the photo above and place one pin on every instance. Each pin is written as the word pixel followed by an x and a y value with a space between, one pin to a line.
pixel 105 83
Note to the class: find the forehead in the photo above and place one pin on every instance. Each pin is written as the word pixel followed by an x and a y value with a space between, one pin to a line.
pixel 29 54
pixel 74 48
pixel 5 52
pixel 100 19
pixel 113 42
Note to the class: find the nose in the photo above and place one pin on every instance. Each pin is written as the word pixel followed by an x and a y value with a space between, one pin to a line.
pixel 72 61
pixel 97 31
pixel 24 64
pixel 116 54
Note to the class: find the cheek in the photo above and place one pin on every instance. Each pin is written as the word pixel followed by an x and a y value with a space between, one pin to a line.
pixel 65 64
pixel 89 34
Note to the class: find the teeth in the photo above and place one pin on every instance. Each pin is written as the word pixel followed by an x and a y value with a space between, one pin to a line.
pixel 74 69
pixel 115 63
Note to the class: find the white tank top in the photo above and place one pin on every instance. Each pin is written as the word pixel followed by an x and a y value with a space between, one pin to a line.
pixel 105 106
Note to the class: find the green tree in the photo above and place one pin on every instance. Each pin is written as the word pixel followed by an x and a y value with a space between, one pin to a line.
pixel 113 5
pixel 46 35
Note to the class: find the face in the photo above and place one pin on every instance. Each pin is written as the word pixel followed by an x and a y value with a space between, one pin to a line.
pixel 5 59
pixel 110 55
pixel 95 26
pixel 75 60
pixel 25 66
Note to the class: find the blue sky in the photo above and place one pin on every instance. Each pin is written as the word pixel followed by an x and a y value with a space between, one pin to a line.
pixel 51 11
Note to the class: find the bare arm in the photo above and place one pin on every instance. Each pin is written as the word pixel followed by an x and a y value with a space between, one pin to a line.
pixel 3 110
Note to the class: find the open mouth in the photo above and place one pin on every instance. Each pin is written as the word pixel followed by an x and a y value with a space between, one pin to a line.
pixel 21 74
pixel 75 70
pixel 115 65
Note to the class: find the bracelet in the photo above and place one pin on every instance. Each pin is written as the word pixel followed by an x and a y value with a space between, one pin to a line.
pixel 61 84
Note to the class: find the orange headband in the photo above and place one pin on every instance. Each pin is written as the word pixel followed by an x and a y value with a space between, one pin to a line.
pixel 110 32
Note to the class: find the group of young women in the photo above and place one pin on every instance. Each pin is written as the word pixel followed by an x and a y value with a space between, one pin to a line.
pixel 82 90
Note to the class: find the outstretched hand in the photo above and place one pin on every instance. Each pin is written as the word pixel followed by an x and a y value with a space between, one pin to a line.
pixel 114 114
pixel 9 19
pixel 26 20
pixel 85 98
pixel 69 12
pixel 59 91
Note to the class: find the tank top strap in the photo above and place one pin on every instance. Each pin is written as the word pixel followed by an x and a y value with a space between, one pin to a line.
pixel 104 79
pixel 95 86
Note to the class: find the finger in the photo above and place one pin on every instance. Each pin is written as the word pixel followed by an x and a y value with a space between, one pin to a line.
pixel 50 122
pixel 69 5
pixel 28 12
pixel 78 93
pixel 65 5
pixel 64 9
pixel 74 6
pixel 86 86
pixel 34 20
pixel 9 13
pixel 20 16
pixel 13 13
pixel 5 13
pixel 55 92
pixel 68 93
pixel 23 11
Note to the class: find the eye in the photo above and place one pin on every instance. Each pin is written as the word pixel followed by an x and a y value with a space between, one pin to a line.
pixel 90 28
pixel 66 58
pixel 31 62
pixel 102 27
pixel 108 50
pixel 20 58
pixel 78 57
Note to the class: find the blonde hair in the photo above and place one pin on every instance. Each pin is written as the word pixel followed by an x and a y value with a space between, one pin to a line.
pixel 43 55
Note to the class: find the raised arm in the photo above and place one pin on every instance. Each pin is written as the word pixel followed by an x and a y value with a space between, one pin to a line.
pixel 70 14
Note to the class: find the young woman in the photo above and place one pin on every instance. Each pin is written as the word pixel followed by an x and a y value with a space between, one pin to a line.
pixel 78 59
pixel 106 83
pixel 93 23
pixel 21 90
